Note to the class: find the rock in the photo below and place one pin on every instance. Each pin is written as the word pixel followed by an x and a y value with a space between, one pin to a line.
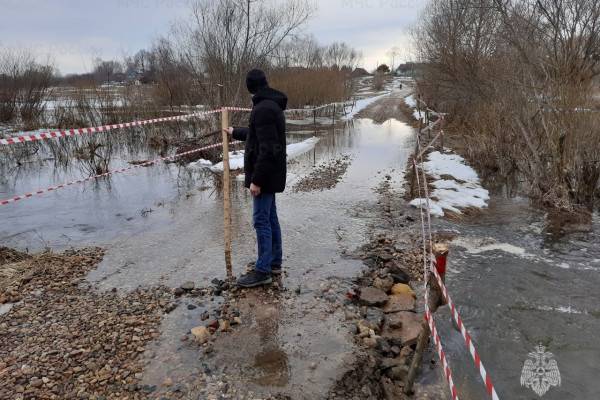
pixel 384 256
pixel 370 296
pixel 170 307
pixel 374 318
pixel 408 334
pixel 213 323
pixel 364 330
pixel 224 325
pixel 383 284
pixel 398 373
pixel 392 391
pixel 236 321
pixel 201 334
pixel 191 307
pixel 205 315
pixel 370 342
pixel 168 382
pixel 388 363
pixel 36 382
pixel 395 320
pixel 398 272
pixel 313 365
pixel 187 286
pixel 402 288
pixel 383 346
pixel 399 302
pixel 396 350
pixel 178 291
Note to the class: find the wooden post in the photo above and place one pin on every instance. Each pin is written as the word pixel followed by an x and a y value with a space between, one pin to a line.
pixel 442 132
pixel 226 193
pixel 422 341
pixel 333 115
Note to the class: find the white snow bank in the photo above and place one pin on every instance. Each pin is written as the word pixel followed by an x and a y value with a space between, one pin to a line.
pixel 410 101
pixel 450 164
pixel 296 149
pixel 201 163
pixel 463 191
pixel 236 158
pixel 418 115
pixel 361 105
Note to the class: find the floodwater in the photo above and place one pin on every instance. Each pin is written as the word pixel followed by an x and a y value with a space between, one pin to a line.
pixel 163 225
pixel 518 286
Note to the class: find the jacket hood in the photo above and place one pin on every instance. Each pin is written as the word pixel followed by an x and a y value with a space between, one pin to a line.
pixel 268 93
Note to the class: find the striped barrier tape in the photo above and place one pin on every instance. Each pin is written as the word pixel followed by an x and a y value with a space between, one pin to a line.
pixel 441 354
pixel 114 172
pixel 428 317
pixel 316 108
pixel 455 315
pixel 466 336
pixel 104 128
pixel 236 109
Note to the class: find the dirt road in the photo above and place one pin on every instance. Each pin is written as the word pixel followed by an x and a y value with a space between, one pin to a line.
pixel 193 335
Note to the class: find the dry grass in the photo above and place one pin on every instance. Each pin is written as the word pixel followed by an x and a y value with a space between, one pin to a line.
pixel 305 86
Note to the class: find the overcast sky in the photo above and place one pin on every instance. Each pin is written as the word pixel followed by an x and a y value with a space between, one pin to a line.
pixel 73 32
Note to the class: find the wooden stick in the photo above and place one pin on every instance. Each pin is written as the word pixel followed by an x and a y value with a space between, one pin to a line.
pixel 422 341
pixel 226 193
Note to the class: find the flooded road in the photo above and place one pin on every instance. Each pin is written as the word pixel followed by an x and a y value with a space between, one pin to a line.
pixel 163 225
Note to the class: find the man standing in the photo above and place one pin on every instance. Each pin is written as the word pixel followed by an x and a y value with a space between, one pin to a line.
pixel 265 166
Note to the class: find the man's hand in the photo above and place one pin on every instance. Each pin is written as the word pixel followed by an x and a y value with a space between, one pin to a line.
pixel 229 132
pixel 254 190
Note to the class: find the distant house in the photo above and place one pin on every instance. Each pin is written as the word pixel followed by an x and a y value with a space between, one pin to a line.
pixel 410 69
pixel 359 72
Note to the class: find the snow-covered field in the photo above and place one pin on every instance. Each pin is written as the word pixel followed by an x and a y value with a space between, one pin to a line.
pixel 464 190
pixel 236 158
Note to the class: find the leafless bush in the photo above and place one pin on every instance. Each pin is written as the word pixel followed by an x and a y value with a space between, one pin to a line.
pixel 378 81
pixel 24 85
pixel 518 77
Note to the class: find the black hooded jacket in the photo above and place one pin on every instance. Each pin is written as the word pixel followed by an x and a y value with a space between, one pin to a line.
pixel 265 162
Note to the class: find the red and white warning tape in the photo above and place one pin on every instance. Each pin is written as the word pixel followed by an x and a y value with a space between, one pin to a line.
pixel 441 354
pixel 316 108
pixel 428 316
pixel 431 269
pixel 104 128
pixel 237 109
pixel 466 336
pixel 114 172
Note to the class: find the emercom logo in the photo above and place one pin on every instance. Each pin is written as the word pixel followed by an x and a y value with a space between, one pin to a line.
pixel 540 371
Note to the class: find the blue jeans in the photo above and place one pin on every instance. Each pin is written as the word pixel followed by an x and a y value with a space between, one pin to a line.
pixel 268 232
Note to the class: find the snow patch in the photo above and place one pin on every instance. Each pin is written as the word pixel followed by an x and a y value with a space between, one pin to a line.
pixel 463 191
pixel 362 104
pixel 410 101
pixel 236 158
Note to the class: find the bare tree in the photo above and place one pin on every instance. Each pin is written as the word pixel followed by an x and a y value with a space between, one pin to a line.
pixel 224 38
pixel 519 75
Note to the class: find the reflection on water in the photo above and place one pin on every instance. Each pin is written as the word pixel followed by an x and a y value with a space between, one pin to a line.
pixel 271 362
